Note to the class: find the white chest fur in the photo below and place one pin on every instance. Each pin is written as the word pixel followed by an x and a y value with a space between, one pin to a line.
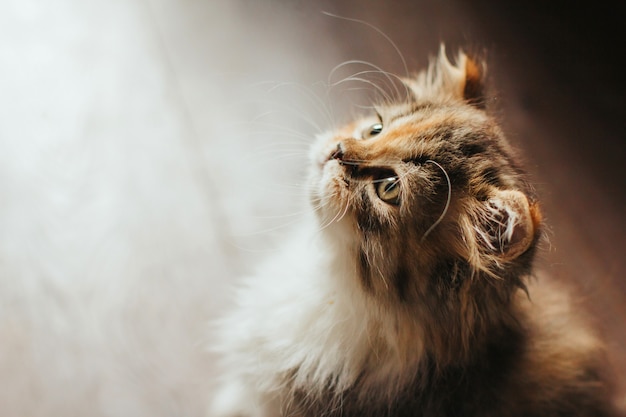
pixel 303 322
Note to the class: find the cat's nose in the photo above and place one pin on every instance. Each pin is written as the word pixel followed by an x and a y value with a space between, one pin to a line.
pixel 337 153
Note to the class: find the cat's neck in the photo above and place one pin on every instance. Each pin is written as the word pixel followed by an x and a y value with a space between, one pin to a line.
pixel 450 329
pixel 370 339
pixel 344 337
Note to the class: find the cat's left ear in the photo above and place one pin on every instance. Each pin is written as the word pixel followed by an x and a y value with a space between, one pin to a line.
pixel 462 80
pixel 473 81
pixel 508 224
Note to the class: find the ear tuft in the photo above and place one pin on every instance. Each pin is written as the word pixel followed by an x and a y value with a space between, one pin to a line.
pixel 444 80
pixel 509 223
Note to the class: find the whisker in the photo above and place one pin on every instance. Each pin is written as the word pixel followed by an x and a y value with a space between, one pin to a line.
pixel 321 107
pixel 445 209
pixel 391 78
pixel 294 219
pixel 351 163
pixel 313 98
pixel 356 78
pixel 382 276
pixel 344 211
pixel 340 214
pixel 377 30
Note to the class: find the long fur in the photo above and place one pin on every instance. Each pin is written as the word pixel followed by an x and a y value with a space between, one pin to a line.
pixel 415 306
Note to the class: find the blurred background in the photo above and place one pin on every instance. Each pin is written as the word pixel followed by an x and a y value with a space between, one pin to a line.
pixel 151 151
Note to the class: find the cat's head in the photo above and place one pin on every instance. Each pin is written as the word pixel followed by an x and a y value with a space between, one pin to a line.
pixel 427 193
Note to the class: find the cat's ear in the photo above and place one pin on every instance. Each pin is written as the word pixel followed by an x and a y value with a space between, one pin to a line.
pixel 466 77
pixel 462 80
pixel 508 224
pixel 473 83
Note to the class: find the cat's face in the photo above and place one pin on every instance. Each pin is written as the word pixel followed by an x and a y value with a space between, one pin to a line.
pixel 426 192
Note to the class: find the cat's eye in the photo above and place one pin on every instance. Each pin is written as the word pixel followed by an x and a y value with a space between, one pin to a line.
pixel 388 190
pixel 372 131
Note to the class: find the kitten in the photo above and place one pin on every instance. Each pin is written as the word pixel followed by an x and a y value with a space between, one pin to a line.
pixel 405 292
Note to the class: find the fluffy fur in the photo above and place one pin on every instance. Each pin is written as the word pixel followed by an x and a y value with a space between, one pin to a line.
pixel 406 291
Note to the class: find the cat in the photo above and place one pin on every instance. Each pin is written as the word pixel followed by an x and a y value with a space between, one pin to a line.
pixel 408 289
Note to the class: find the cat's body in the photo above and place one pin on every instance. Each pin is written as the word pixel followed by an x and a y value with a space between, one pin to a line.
pixel 407 293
